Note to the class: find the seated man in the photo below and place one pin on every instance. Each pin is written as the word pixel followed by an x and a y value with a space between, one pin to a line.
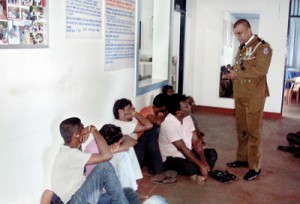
pixel 157 112
pixel 177 137
pixel 68 180
pixel 168 90
pixel 126 167
pixel 147 146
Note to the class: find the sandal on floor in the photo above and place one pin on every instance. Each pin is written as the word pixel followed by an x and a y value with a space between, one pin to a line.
pixel 224 177
pixel 230 176
pixel 164 175
pixel 218 175
pixel 166 180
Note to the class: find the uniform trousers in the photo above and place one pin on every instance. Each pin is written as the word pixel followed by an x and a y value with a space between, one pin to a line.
pixel 249 116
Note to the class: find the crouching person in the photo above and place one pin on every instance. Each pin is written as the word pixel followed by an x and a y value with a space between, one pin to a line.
pixel 68 180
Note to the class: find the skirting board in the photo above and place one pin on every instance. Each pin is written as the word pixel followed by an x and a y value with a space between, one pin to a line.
pixel 228 111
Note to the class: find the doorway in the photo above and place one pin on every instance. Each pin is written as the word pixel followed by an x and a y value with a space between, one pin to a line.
pixel 290 107
pixel 178 38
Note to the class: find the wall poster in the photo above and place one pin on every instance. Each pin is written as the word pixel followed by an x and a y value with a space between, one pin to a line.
pixel 119 34
pixel 84 19
pixel 23 24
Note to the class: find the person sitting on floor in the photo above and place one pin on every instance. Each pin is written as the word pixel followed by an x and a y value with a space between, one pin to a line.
pixel 168 90
pixel 180 147
pixel 124 158
pixel 294 144
pixel 68 180
pixel 157 112
pixel 147 143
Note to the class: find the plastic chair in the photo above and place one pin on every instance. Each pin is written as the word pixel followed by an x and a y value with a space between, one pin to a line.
pixel 294 90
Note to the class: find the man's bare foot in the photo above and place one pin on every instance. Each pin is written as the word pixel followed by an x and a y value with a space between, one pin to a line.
pixel 197 179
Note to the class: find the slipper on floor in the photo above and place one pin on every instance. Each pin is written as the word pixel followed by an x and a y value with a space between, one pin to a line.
pixel 218 175
pixel 167 180
pixel 164 175
pixel 224 177
pixel 230 176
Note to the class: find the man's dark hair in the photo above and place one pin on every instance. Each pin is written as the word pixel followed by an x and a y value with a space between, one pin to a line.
pixel 161 100
pixel 242 21
pixel 174 104
pixel 120 104
pixel 111 133
pixel 165 88
pixel 68 127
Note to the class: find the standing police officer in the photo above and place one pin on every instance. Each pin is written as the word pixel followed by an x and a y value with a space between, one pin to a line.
pixel 250 90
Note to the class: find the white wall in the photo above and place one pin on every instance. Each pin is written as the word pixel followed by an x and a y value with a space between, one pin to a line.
pixel 203 47
pixel 40 88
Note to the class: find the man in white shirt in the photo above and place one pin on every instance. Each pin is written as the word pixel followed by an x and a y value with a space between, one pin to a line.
pixel 68 180
pixel 180 147
pixel 146 149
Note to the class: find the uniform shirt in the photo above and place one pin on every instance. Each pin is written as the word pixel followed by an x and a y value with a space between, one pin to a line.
pixel 68 171
pixel 172 130
pixel 252 65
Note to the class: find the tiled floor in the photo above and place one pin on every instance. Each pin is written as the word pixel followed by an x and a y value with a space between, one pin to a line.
pixel 279 181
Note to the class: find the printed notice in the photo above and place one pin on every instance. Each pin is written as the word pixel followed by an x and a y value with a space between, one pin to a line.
pixel 120 34
pixel 83 18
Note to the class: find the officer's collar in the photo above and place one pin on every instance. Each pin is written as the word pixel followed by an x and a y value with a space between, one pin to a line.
pixel 251 38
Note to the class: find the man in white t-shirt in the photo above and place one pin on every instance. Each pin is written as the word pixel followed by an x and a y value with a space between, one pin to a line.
pixel 68 180
pixel 146 149
pixel 180 147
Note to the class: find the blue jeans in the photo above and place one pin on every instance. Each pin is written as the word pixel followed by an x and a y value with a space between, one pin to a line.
pixel 102 177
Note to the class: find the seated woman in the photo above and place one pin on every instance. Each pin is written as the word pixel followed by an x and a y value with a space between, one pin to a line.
pixel 124 158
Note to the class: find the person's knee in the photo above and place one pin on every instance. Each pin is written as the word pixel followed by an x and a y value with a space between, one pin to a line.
pixel 211 156
pixel 103 165
pixel 131 195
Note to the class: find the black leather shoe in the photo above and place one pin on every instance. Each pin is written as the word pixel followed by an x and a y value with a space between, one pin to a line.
pixel 238 164
pixel 289 149
pixel 251 174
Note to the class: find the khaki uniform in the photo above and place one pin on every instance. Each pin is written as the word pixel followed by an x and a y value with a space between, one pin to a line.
pixel 250 90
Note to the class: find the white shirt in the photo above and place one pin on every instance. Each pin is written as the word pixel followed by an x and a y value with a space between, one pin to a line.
pixel 127 127
pixel 125 163
pixel 172 130
pixel 67 173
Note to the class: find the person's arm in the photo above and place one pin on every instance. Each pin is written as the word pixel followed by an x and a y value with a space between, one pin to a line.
pixel 156 119
pixel 143 125
pixel 104 150
pixel 123 145
pixel 189 155
pixel 198 148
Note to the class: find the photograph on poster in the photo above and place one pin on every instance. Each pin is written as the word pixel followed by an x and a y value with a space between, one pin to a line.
pixel 23 24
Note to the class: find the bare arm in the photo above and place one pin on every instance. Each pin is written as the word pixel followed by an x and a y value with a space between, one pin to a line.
pixel 104 150
pixel 180 146
pixel 156 119
pixel 143 125
pixel 123 145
